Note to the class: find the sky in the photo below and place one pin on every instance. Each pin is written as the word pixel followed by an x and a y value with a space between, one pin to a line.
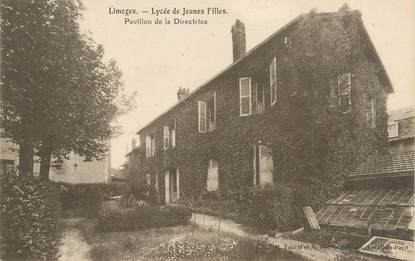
pixel 157 59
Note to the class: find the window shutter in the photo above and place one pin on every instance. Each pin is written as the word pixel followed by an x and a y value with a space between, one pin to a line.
pixel 202 116
pixel 273 81
pixel 245 93
pixel 166 137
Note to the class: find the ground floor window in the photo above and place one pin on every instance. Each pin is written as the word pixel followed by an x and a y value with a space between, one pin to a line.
pixel 262 165
pixel 171 185
pixel 213 177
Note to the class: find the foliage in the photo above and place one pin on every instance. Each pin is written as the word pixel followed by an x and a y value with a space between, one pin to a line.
pixel 29 218
pixel 142 217
pixel 83 199
pixel 326 238
pixel 277 208
pixel 311 144
pixel 86 199
pixel 58 95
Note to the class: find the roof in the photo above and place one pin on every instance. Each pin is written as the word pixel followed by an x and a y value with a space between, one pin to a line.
pixel 383 209
pixel 388 165
pixel 384 77
pixel 401 113
pixel 226 69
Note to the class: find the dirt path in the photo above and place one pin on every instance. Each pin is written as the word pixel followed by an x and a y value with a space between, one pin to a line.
pixel 74 247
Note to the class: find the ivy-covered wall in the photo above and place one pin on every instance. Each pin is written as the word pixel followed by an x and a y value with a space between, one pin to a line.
pixel 310 143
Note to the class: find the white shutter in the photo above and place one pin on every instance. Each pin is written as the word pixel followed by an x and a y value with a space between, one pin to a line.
pixel 273 81
pixel 166 137
pixel 245 93
pixel 202 116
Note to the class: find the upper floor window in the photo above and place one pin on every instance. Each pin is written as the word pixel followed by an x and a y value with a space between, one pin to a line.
pixel 245 93
pixel 207 113
pixel 258 98
pixel 151 144
pixel 344 83
pixel 370 104
pixel 166 137
pixel 273 81
pixel 169 134
pixel 393 130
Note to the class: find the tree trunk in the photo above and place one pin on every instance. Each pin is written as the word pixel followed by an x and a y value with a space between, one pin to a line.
pixel 26 158
pixel 45 158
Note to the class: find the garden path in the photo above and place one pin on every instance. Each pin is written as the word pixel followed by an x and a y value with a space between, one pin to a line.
pixel 73 247
pixel 307 250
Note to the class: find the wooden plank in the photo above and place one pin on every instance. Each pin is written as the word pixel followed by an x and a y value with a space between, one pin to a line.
pixel 311 218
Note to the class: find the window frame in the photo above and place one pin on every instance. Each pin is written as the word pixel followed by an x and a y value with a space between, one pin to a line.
pixel 166 137
pixel 395 125
pixel 341 95
pixel 245 96
pixel 273 82
pixel 199 109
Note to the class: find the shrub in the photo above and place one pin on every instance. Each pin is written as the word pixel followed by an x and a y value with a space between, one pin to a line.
pixel 29 218
pixel 277 207
pixel 86 199
pixel 83 199
pixel 143 217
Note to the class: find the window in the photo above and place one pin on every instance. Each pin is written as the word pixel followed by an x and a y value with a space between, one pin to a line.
pixel 273 81
pixel 213 177
pixel 169 134
pixel 393 130
pixel 333 88
pixel 343 91
pixel 370 104
pixel 257 98
pixel 166 137
pixel 245 96
pixel 202 116
pixel 207 113
pixel 151 145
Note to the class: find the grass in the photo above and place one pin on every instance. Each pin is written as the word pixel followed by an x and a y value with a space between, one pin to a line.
pixel 163 243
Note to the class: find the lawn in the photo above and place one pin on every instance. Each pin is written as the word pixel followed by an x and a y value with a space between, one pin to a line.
pixel 176 243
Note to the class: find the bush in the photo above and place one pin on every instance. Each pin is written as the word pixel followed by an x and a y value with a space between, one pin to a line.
pixel 143 217
pixel 82 199
pixel 278 207
pixel 29 218
pixel 86 199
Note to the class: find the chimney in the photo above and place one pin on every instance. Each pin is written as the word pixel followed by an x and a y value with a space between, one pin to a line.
pixel 182 93
pixel 238 40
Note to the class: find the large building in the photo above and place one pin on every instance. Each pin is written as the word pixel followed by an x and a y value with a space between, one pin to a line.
pixel 233 131
pixel 73 170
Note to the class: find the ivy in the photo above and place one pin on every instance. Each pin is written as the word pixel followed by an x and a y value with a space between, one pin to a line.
pixel 311 144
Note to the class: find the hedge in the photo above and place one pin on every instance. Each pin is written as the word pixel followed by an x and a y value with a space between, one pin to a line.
pixel 278 207
pixel 29 218
pixel 86 199
pixel 143 217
